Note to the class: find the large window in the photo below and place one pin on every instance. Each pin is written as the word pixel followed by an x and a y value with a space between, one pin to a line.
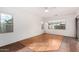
pixel 6 23
pixel 57 25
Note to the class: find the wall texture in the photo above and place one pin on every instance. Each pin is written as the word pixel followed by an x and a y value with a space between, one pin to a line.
pixel 70 25
pixel 26 24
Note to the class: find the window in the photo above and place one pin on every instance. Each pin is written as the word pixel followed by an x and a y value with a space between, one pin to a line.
pixel 6 23
pixel 57 25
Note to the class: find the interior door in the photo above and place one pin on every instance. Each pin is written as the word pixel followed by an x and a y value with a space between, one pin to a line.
pixel 78 29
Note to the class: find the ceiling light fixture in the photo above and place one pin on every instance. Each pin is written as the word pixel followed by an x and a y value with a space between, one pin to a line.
pixel 46 9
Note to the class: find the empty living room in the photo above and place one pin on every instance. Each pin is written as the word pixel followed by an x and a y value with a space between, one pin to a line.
pixel 39 29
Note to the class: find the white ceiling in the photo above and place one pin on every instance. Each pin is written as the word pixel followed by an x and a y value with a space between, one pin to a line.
pixel 53 11
pixel 58 11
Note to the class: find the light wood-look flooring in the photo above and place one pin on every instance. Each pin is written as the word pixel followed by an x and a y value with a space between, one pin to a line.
pixel 43 42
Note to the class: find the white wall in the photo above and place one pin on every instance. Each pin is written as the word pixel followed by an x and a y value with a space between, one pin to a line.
pixel 70 25
pixel 26 24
